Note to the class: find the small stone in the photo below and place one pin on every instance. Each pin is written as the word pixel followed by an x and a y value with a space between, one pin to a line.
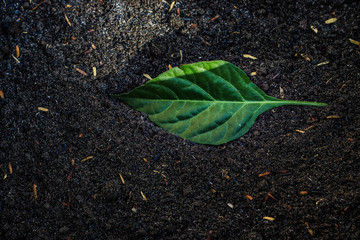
pixel 201 11
pixel 63 229
pixel 331 49
pixel 265 86
pixel 303 24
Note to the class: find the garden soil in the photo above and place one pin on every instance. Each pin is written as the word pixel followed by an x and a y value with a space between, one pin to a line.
pixel 78 164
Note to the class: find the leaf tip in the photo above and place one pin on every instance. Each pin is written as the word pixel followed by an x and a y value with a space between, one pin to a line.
pixel 321 104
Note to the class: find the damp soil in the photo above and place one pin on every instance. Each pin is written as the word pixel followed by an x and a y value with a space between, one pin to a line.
pixel 77 164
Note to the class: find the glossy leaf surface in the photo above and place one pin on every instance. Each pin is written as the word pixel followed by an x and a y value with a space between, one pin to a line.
pixel 206 102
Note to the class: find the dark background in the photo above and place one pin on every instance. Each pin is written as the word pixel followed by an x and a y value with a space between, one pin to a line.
pixel 192 191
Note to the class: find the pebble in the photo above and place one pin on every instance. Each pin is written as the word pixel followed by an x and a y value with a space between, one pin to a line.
pixel 265 86
pixel 63 229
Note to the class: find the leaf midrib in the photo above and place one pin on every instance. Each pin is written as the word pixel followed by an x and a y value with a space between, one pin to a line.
pixel 278 102
pixel 215 101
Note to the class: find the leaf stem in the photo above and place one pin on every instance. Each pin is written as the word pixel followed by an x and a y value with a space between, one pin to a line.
pixel 316 104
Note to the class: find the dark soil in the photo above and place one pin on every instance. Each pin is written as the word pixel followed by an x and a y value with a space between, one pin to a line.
pixel 175 189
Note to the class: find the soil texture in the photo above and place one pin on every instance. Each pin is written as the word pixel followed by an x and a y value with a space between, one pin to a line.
pixel 78 164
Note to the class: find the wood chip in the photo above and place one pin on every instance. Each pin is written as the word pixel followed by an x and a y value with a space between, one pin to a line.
pixel 309 230
pixel 308 128
pixel 318 201
pixel 264 174
pixel 300 131
pixel 171 6
pixel 306 57
pixel 122 179
pixel 314 29
pixel 10 168
pixel 129 198
pixel 269 218
pixel 2 96
pixel 281 92
pixel 94 71
pixel 270 195
pixel 69 175
pixel 249 197
pixel 217 16
pixel 304 192
pixel 332 116
pixel 87 158
pixel 93 46
pixel 81 71
pixel 67 20
pixel 43 109
pixel 322 63
pixel 342 86
pixel 143 196
pixel 35 191
pixel 163 175
pixel 354 42
pixel 253 74
pixel 129 19
pixel 147 76
pixel 17 60
pixel 327 81
pixel 17 51
pixel 331 20
pixel 249 56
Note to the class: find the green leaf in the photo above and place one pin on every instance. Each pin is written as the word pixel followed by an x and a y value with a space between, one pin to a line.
pixel 206 102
